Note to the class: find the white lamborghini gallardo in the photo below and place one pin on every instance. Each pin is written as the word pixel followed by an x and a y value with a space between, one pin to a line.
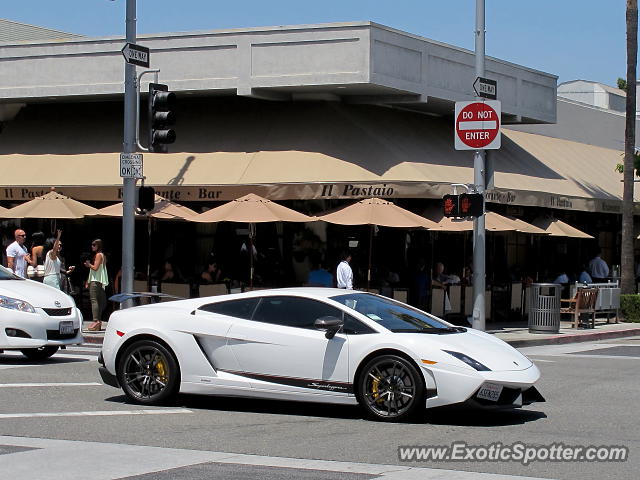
pixel 311 344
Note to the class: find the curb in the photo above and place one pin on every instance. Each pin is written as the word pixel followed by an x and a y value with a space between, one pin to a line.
pixel 574 338
pixel 92 338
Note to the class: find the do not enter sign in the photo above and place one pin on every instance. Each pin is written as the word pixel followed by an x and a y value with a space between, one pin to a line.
pixel 477 125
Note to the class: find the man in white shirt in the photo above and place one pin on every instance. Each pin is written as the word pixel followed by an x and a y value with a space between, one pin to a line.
pixel 599 269
pixel 344 274
pixel 17 254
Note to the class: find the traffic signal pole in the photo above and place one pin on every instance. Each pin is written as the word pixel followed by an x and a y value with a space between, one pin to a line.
pixel 129 146
pixel 478 315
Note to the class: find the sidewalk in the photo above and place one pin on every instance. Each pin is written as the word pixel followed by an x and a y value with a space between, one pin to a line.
pixel 515 334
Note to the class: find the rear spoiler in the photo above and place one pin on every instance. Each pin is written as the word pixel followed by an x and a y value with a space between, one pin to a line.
pixel 123 297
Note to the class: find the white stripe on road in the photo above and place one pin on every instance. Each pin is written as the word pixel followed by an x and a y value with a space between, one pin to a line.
pixel 72 460
pixel 478 125
pixel 99 413
pixel 536 360
pixel 59 384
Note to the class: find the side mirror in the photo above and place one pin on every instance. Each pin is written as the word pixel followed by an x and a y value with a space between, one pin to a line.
pixel 331 324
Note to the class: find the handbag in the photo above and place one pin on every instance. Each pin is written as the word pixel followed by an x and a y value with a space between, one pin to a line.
pixel 31 272
pixel 39 271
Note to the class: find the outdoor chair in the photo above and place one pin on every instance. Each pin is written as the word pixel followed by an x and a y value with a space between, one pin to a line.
pixel 180 290
pixel 212 290
pixel 583 303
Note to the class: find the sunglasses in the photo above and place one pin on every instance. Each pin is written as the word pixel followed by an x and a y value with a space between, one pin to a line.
pixel 20 235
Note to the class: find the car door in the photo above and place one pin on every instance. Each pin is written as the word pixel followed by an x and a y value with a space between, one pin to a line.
pixel 279 348
pixel 210 325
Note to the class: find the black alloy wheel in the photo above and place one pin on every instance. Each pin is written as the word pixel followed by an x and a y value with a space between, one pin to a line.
pixel 148 373
pixel 390 388
pixel 38 354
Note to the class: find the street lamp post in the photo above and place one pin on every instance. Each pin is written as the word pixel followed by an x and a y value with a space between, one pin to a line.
pixel 129 146
pixel 478 315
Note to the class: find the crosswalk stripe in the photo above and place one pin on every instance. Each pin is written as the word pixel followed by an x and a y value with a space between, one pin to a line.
pixel 98 413
pixel 55 384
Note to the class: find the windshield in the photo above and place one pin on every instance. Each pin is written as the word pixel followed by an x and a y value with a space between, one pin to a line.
pixel 6 274
pixel 392 315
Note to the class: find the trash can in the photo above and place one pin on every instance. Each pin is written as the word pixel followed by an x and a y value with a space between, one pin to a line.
pixel 544 309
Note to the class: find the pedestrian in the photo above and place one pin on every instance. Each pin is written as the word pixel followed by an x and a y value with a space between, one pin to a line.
pixel 17 255
pixel 53 262
pixel 584 276
pixel 319 276
pixel 35 270
pixel 344 274
pixel 598 268
pixel 211 273
pixel 562 277
pixel 97 282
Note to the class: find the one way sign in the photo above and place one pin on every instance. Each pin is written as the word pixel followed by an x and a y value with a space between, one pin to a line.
pixel 136 54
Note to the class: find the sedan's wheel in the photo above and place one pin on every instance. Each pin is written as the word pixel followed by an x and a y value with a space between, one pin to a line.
pixel 41 353
pixel 390 388
pixel 148 373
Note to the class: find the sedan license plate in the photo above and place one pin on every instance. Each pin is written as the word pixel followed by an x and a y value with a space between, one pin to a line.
pixel 66 327
pixel 490 391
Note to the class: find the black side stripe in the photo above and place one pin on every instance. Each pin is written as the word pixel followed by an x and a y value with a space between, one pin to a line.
pixel 323 385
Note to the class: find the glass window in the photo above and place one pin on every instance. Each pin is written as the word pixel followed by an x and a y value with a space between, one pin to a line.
pixel 234 308
pixel 6 274
pixel 353 326
pixel 293 311
pixel 392 315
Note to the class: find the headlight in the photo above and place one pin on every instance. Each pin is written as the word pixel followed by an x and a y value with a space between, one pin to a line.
pixel 469 361
pixel 15 304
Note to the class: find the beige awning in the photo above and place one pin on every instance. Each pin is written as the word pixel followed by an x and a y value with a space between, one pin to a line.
pixel 326 150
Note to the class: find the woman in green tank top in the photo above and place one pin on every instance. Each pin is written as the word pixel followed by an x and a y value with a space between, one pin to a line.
pixel 97 282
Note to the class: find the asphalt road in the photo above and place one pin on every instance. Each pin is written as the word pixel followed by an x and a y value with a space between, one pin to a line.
pixel 591 391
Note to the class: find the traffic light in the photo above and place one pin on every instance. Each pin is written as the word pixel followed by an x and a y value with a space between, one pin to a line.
pixel 450 205
pixel 146 198
pixel 471 205
pixel 161 117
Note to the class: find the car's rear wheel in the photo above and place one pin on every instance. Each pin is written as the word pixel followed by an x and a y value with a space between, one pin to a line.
pixel 41 353
pixel 148 373
pixel 390 388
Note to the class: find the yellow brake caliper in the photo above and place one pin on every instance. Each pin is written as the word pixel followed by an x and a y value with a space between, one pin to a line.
pixel 374 388
pixel 161 368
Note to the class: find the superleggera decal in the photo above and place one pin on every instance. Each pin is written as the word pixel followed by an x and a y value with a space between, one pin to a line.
pixel 340 387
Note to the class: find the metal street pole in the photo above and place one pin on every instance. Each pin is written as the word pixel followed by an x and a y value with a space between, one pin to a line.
pixel 129 146
pixel 478 318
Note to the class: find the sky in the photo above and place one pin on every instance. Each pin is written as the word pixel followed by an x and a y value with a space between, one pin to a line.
pixel 573 39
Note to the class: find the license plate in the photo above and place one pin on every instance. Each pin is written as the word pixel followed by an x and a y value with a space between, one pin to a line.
pixel 66 328
pixel 490 391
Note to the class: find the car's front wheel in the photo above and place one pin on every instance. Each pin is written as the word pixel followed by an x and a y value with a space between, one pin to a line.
pixel 390 388
pixel 41 353
pixel 148 373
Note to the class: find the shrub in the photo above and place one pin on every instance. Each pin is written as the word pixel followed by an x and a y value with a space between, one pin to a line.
pixel 630 307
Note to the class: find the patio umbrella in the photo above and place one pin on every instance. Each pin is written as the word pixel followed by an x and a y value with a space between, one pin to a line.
pixel 558 228
pixel 375 211
pixel 251 209
pixel 53 205
pixel 163 209
pixel 493 223
pixel 3 211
